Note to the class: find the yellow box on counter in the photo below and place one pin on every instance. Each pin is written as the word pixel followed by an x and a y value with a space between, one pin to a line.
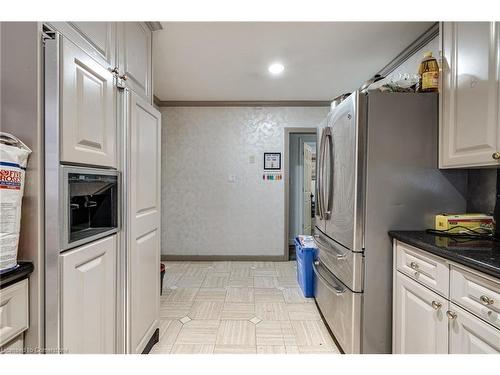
pixel 464 223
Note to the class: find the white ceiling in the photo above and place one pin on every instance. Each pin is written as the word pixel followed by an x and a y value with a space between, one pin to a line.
pixel 228 61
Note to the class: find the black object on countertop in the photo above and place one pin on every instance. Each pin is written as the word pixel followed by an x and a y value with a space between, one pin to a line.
pixel 14 275
pixel 479 254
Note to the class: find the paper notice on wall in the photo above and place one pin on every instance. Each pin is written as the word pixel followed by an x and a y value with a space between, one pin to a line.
pixel 13 159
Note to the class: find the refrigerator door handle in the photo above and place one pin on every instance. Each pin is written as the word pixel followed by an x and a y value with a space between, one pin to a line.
pixel 331 284
pixel 319 187
pixel 330 171
pixel 329 248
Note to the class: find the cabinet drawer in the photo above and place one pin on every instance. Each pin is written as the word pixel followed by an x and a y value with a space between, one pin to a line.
pixel 479 295
pixel 13 311
pixel 427 269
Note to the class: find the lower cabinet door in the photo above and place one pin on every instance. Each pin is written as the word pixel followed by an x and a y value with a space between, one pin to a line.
pixel 88 298
pixel 471 335
pixel 421 325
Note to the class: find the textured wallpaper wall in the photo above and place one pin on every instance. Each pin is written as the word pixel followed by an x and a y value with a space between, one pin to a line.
pixel 204 213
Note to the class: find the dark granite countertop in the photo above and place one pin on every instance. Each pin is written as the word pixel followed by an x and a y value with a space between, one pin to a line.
pixel 16 274
pixel 481 255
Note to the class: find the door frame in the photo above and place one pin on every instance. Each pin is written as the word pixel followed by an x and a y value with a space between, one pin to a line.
pixel 286 179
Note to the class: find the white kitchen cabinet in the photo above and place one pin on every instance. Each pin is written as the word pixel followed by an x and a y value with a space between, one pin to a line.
pixel 98 39
pixel 88 300
pixel 470 335
pixel 421 323
pixel 144 214
pixel 469 123
pixel 88 109
pixel 134 62
pixel 463 321
pixel 13 312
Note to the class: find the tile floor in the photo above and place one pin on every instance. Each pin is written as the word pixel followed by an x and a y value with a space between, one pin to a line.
pixel 238 307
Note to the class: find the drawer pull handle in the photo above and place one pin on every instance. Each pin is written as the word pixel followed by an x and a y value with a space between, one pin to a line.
pixel 451 315
pixel 485 300
pixel 436 305
pixel 414 265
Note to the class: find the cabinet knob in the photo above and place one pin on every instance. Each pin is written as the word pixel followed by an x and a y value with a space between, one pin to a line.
pixel 496 155
pixel 115 70
pixel 124 77
pixel 436 305
pixel 485 300
pixel 451 315
pixel 414 265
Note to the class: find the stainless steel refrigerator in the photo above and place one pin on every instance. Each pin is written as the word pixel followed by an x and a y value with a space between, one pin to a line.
pixel 376 171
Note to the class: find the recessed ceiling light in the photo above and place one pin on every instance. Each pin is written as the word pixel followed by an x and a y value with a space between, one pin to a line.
pixel 276 68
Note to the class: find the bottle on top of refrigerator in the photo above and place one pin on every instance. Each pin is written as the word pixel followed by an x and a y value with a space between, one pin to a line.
pixel 429 74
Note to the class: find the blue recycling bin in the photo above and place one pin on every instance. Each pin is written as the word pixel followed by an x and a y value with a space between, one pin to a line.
pixel 305 274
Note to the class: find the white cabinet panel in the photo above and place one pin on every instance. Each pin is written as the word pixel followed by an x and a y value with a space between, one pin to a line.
pixel 134 45
pixel 88 121
pixel 13 311
pixel 471 335
pixel 88 298
pixel 144 221
pixel 421 325
pixel 470 132
pixel 98 39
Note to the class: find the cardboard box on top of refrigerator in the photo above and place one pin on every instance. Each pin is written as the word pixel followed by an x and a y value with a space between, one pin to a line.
pixel 465 223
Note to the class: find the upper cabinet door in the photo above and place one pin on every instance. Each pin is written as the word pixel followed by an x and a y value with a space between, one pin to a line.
pixel 469 132
pixel 134 46
pixel 98 39
pixel 88 121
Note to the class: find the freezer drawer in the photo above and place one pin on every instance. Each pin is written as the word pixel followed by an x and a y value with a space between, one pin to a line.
pixel 340 307
pixel 346 265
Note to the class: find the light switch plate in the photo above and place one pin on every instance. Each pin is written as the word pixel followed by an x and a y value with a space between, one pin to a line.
pixel 231 178
pixel 251 159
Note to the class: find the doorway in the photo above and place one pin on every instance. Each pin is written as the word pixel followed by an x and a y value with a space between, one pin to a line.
pixel 300 179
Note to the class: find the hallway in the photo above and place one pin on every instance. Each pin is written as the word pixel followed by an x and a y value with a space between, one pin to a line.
pixel 238 307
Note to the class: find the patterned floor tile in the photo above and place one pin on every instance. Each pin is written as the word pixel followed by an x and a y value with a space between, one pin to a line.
pixel 312 333
pixel 211 295
pixel 268 295
pixel 264 282
pixel 294 295
pixel 182 295
pixel 271 311
pixel 242 295
pixel 216 280
pixel 302 311
pixel 221 299
pixel 236 332
pixel 198 332
pixel 174 310
pixel 206 310
pixel 241 282
pixel 269 333
pixel 238 311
